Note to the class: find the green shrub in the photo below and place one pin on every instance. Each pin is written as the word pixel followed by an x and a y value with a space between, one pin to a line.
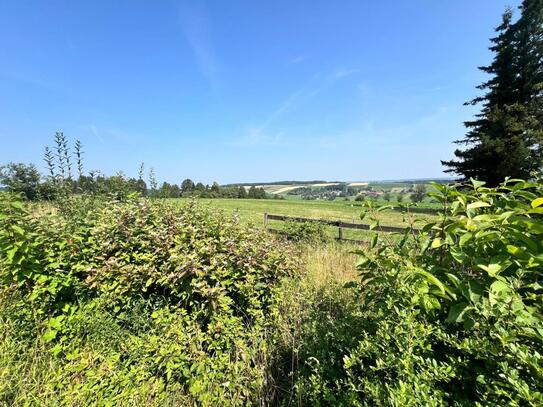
pixel 450 316
pixel 134 303
pixel 311 232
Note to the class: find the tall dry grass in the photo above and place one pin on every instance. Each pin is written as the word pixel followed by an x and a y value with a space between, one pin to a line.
pixel 329 263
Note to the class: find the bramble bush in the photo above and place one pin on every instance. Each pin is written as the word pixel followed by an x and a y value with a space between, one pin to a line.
pixel 135 303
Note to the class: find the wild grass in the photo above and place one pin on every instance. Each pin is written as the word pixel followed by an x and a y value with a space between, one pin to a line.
pixel 253 210
pixel 313 309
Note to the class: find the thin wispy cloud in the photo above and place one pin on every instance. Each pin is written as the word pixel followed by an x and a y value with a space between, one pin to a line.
pixel 297 59
pixel 284 107
pixel 95 133
pixel 259 134
pixel 342 73
pixel 318 82
pixel 113 134
pixel 197 32
pixel 256 137
pixel 379 136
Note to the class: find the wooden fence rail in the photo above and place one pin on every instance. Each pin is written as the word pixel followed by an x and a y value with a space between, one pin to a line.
pixel 337 223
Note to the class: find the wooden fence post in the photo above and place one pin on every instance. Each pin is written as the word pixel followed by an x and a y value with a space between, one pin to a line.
pixel 340 233
pixel 265 221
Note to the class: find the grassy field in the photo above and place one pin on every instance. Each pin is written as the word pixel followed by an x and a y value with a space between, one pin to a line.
pixel 252 211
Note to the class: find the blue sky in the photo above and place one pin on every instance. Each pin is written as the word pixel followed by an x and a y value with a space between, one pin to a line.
pixel 244 91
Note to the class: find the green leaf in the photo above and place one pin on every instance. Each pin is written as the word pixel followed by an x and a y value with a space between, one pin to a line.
pixel 17 204
pixel 465 238
pixel 456 313
pixel 458 255
pixel 362 261
pixel 537 202
pixel 491 269
pixel 11 253
pixel 55 350
pixel 433 280
pixel 477 184
pixel 478 204
pixel 472 291
pixel 499 286
pixel 454 279
pixel 383 208
pixel 49 335
pixel 374 241
pixel 17 229
pixel 517 251
pixel 436 243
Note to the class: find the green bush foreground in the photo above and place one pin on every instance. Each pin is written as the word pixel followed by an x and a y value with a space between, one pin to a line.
pixel 134 303
pixel 138 303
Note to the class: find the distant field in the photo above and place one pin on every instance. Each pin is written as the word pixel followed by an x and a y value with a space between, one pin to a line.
pixel 394 188
pixel 325 184
pixel 283 189
pixel 252 211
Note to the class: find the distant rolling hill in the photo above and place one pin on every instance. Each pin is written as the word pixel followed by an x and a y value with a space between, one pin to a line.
pixel 282 187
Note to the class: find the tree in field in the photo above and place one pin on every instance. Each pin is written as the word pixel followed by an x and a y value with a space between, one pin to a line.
pixel 21 179
pixel 399 198
pixel 386 196
pixel 140 185
pixel 215 188
pixel 419 194
pixel 199 187
pixel 506 137
pixel 256 193
pixel 242 193
pixel 251 194
pixel 187 186
pixel 168 190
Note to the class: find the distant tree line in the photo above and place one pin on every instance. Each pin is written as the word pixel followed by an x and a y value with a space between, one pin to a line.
pixel 190 189
pixel 65 175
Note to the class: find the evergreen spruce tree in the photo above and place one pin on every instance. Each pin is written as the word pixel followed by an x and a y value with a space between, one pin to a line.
pixel 529 33
pixel 505 137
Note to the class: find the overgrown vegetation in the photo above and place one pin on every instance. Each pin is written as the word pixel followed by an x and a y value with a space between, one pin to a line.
pixel 311 232
pixel 144 303
pixel 452 316
pixel 134 303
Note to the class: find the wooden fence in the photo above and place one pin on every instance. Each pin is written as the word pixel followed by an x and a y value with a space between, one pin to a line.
pixel 337 223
